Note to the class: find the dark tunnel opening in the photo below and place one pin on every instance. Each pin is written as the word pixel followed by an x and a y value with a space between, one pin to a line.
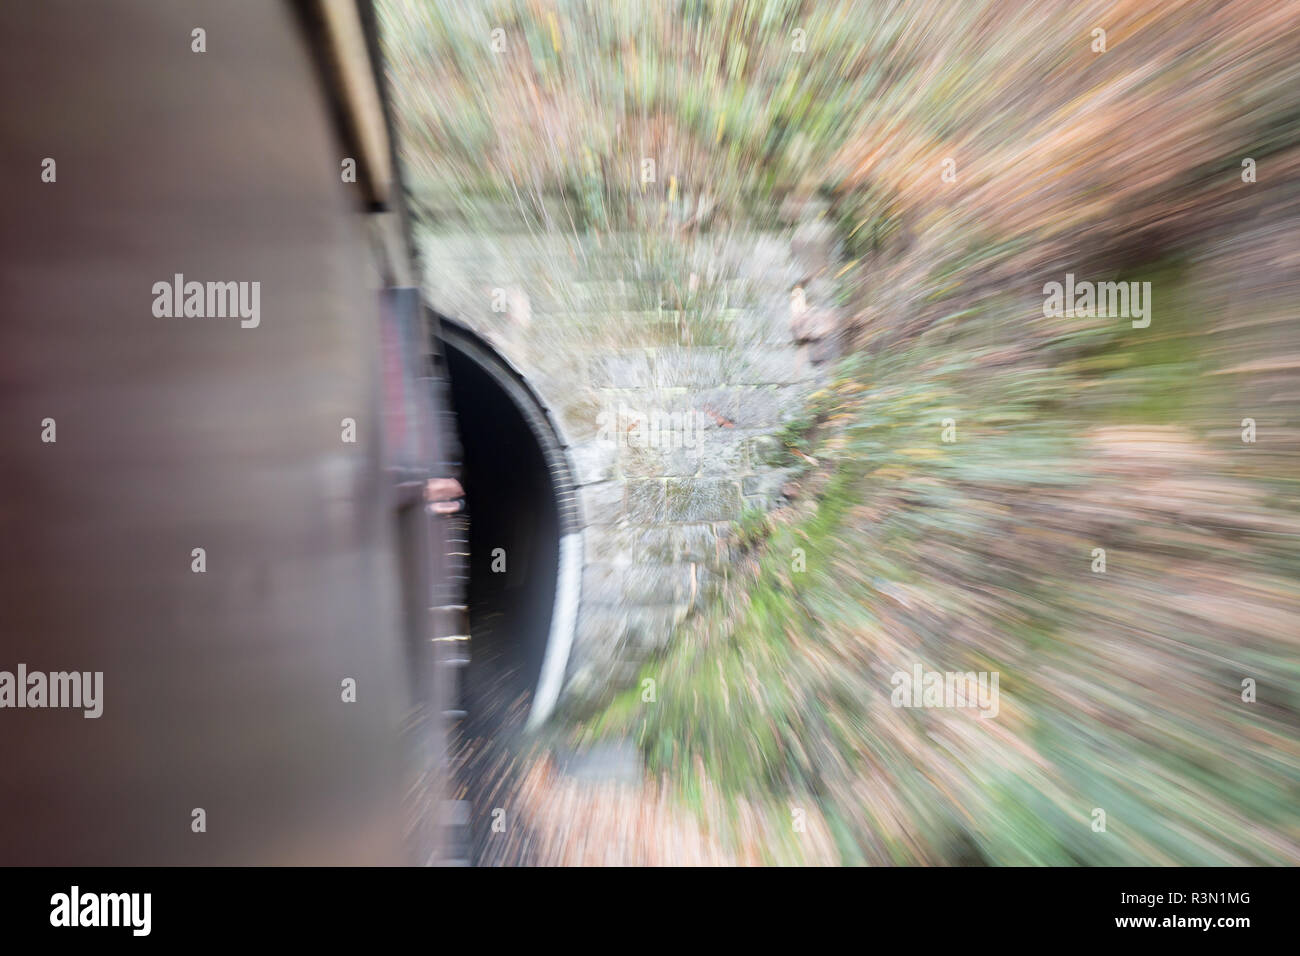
pixel 514 544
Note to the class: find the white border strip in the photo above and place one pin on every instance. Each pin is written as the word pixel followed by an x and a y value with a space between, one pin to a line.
pixel 564 621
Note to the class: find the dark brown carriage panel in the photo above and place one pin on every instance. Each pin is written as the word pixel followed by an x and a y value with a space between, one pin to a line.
pixel 223 689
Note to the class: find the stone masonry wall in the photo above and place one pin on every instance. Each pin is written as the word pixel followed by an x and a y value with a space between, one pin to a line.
pixel 668 367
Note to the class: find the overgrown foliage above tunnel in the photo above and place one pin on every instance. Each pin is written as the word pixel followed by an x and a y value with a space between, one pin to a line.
pixel 977 448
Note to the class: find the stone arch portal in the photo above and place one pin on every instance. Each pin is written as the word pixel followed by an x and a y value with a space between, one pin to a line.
pixel 525 537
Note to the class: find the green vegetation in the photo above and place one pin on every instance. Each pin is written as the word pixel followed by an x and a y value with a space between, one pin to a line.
pixel 975 555
pixel 1120 690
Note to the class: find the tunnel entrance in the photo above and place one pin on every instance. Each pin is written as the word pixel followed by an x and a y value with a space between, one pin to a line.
pixel 521 592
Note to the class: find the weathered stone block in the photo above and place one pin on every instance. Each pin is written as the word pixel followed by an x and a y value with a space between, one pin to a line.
pixel 635 584
pixel 767 485
pixel 758 407
pixel 813 247
pixel 695 542
pixel 719 406
pixel 621 546
pixel 630 369
pixel 602 625
pixel 650 628
pixel 702 499
pixel 724 454
pixel 603 503
pixel 646 501
pixel 594 461
pixel 641 462
pixel 769 365
pixel 691 367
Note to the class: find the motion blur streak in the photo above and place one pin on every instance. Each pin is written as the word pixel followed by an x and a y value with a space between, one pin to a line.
pixel 222 690
pixel 965 155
